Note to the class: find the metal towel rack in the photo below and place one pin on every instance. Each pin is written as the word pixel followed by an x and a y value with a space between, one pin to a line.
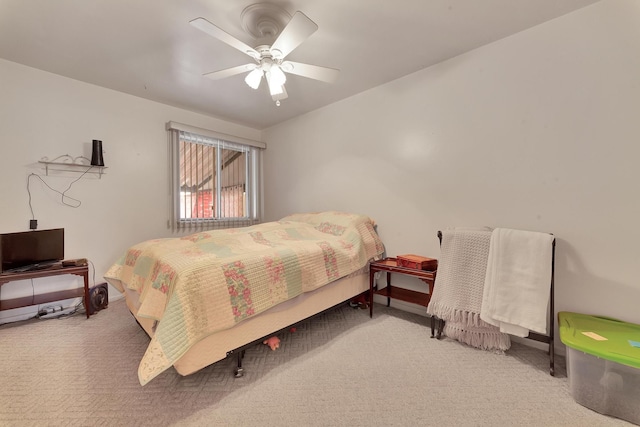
pixel 546 339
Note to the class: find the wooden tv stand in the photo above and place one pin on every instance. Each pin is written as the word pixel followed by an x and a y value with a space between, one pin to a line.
pixel 54 270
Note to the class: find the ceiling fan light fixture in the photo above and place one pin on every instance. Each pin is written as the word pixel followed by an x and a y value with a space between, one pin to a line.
pixel 275 82
pixel 254 78
pixel 275 89
pixel 265 22
pixel 277 97
pixel 277 76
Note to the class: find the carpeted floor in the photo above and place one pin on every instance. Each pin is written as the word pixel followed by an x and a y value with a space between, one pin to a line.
pixel 341 368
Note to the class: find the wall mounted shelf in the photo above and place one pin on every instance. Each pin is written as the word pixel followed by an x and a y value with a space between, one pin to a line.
pixel 67 163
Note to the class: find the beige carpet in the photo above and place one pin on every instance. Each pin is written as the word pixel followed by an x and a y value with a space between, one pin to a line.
pixel 341 368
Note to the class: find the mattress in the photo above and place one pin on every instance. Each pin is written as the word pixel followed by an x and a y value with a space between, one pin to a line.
pixel 216 347
pixel 195 286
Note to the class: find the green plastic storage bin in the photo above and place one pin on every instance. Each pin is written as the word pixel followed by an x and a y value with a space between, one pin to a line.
pixel 603 363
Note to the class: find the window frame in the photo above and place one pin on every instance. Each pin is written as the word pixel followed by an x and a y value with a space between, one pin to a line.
pixel 253 185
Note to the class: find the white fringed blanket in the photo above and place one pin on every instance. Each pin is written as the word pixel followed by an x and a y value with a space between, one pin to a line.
pixel 457 295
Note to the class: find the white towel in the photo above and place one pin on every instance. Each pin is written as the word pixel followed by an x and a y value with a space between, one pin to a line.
pixel 518 281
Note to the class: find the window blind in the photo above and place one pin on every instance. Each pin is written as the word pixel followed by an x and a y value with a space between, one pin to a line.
pixel 214 182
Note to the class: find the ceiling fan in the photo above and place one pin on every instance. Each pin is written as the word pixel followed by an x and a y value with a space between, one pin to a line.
pixel 262 20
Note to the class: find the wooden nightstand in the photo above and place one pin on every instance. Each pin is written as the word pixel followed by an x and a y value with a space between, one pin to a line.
pixel 390 265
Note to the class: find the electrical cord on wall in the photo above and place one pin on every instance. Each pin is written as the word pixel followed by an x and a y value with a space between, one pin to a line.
pixel 93 274
pixel 75 202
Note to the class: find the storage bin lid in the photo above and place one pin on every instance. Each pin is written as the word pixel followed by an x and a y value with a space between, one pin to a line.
pixel 601 336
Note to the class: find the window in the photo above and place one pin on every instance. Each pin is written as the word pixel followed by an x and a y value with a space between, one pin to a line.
pixel 215 180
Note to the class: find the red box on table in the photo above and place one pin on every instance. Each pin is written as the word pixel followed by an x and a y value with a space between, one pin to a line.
pixel 417 262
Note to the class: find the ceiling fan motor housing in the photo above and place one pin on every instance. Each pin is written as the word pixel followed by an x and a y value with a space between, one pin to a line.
pixel 264 21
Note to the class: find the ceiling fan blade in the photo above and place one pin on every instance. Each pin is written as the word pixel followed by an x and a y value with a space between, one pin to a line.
pixel 297 30
pixel 211 29
pixel 315 72
pixel 228 72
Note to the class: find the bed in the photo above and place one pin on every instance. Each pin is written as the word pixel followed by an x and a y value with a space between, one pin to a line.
pixel 204 296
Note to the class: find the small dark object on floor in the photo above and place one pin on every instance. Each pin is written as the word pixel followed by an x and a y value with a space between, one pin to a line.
pixel 359 302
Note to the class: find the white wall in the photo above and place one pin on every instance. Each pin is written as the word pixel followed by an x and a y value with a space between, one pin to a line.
pixel 539 131
pixel 43 114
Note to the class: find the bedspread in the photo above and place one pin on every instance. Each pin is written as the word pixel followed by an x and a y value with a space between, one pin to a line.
pixel 209 281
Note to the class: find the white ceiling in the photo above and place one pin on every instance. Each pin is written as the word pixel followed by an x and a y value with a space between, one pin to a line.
pixel 148 49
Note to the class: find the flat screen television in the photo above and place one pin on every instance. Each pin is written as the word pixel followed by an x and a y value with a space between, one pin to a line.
pixel 31 250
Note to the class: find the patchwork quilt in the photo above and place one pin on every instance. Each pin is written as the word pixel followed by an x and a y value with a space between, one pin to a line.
pixel 199 284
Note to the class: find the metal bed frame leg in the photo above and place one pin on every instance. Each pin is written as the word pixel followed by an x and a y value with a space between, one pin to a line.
pixel 440 323
pixel 239 370
pixel 433 326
